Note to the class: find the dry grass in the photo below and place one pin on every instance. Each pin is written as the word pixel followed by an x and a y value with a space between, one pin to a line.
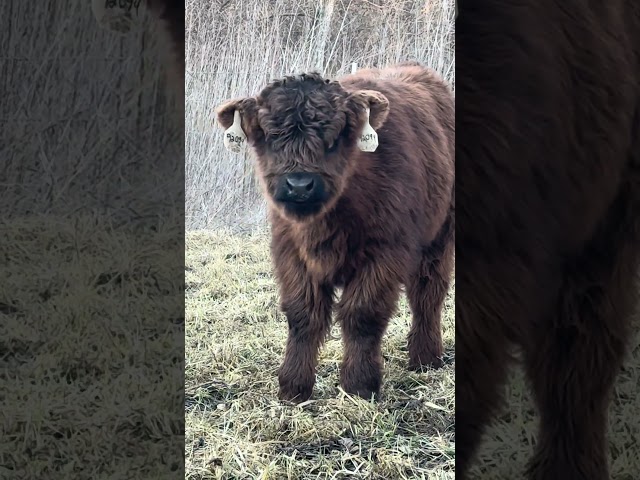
pixel 87 123
pixel 91 296
pixel 235 426
pixel 87 316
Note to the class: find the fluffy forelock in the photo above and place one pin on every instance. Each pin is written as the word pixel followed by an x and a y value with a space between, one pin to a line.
pixel 302 115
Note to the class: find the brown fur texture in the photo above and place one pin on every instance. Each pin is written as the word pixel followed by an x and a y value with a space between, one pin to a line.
pixel 170 13
pixel 381 220
pixel 548 237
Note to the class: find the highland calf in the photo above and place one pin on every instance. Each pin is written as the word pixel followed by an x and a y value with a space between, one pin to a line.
pixel 348 215
pixel 548 237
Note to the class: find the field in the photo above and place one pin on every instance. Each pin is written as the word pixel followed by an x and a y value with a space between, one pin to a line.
pixel 235 334
pixel 235 426
pixel 88 313
pixel 91 250
pixel 87 265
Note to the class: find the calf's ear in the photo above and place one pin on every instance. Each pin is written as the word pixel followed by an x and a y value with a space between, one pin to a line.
pixel 369 111
pixel 239 119
pixel 373 101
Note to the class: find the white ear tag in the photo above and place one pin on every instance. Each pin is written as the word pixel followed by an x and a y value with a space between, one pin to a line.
pixel 117 15
pixel 234 138
pixel 368 141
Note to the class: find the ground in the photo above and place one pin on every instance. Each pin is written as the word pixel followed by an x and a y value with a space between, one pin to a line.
pixel 235 426
pixel 510 440
pixel 70 293
pixel 88 312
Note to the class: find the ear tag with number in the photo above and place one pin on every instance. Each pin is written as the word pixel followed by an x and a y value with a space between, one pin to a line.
pixel 234 138
pixel 368 141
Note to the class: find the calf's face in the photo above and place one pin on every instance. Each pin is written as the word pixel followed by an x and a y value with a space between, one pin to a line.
pixel 304 131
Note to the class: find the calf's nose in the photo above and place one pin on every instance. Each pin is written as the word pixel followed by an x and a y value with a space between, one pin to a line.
pixel 299 184
pixel 299 187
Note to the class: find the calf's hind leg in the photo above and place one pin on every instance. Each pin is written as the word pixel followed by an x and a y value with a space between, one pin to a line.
pixel 426 292
pixel 574 357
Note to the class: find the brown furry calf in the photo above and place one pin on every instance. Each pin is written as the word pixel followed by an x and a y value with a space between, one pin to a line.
pixel 548 232
pixel 364 221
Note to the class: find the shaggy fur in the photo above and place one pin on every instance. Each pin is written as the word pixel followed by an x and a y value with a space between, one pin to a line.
pixel 379 220
pixel 548 234
pixel 170 14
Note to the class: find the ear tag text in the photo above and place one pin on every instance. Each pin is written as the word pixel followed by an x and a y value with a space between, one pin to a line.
pixel 235 139
pixel 368 141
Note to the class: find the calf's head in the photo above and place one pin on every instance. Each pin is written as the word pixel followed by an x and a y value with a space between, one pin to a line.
pixel 304 131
